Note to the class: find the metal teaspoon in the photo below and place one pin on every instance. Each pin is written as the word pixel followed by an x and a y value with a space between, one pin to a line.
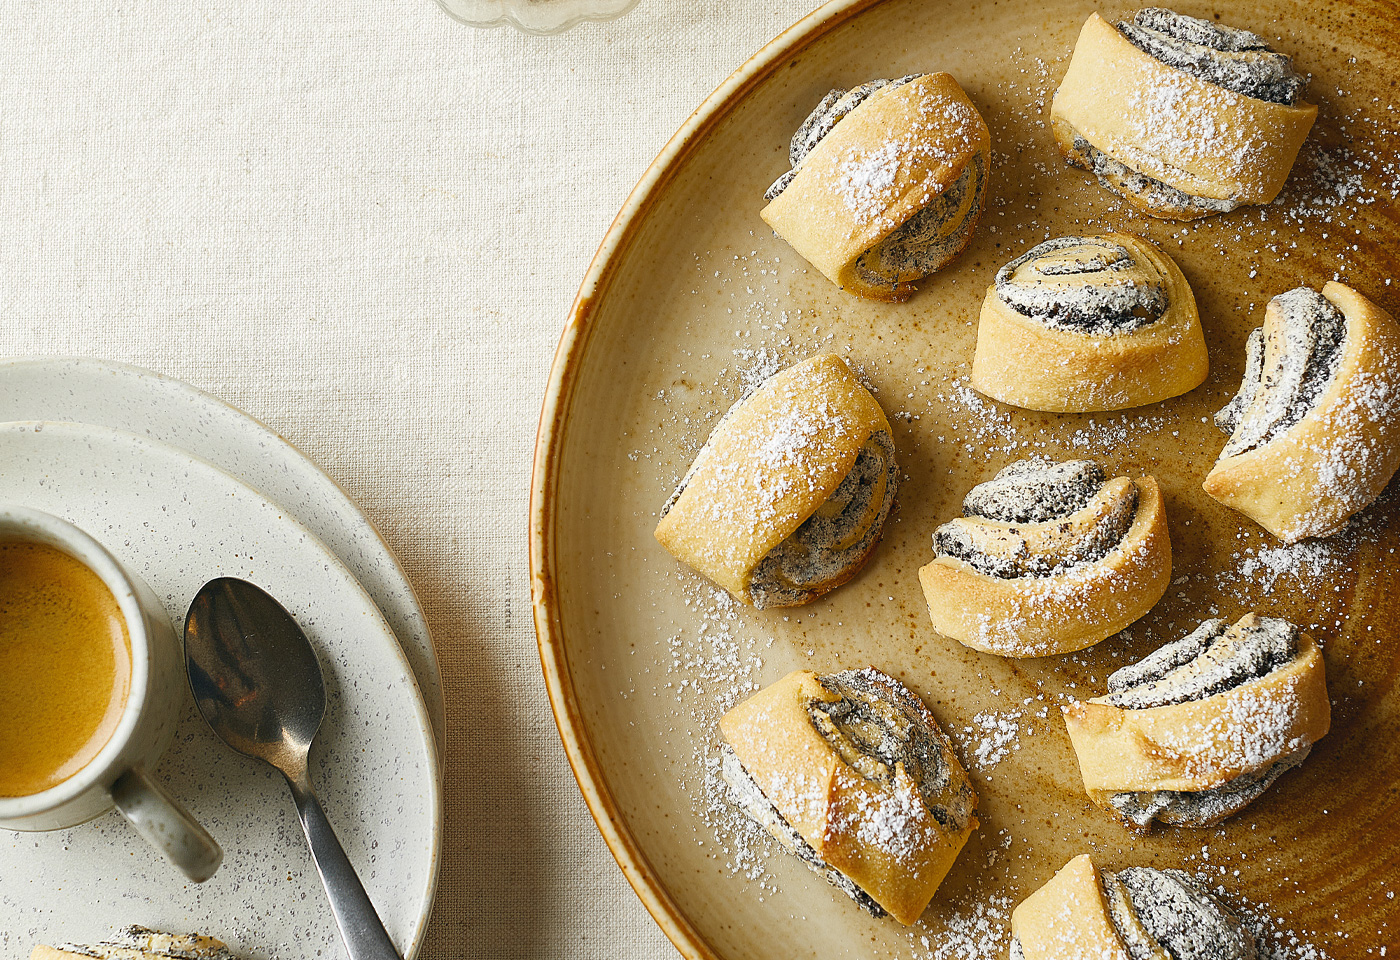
pixel 258 684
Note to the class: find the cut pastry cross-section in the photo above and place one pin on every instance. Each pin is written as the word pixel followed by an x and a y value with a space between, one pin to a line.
pixel 1203 726
pixel 887 182
pixel 1048 558
pixel 1312 435
pixel 852 773
pixel 787 498
pixel 139 943
pixel 1182 117
pixel 1140 913
pixel 1089 323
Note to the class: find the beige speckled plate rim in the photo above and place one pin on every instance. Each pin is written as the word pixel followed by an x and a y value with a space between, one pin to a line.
pixel 554 415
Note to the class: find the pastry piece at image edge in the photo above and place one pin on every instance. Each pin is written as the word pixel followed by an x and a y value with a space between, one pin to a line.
pixel 1313 438
pixel 139 943
pixel 1089 323
pixel 1195 731
pixel 1140 913
pixel 887 182
pixel 1182 117
pixel 1048 558
pixel 852 773
pixel 787 498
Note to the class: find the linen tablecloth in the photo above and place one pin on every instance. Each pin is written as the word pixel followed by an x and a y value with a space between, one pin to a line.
pixel 363 223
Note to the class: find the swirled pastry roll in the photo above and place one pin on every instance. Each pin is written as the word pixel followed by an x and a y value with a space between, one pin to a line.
pixel 1203 726
pixel 1047 559
pixel 1089 323
pixel 1312 430
pixel 1140 913
pixel 787 498
pixel 852 773
pixel 886 185
pixel 1182 117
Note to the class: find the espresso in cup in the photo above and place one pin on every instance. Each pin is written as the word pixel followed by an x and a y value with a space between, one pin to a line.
pixel 91 685
pixel 65 666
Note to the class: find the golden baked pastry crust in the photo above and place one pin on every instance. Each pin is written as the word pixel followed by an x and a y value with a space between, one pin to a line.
pixel 773 461
pixel 877 168
pixel 1189 134
pixel 1043 616
pixel 1068 918
pixel 140 943
pixel 1022 361
pixel 1201 744
pixel 1311 479
pixel 827 801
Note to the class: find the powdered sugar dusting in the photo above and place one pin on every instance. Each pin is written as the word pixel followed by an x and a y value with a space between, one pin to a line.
pixel 1304 562
pixel 868 177
pixel 998 737
pixel 975 929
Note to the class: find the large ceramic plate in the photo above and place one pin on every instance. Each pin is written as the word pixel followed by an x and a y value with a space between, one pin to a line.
pixel 691 298
pixel 118 395
pixel 178 522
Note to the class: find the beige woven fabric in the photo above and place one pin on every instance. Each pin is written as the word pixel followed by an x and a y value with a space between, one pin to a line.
pixel 363 223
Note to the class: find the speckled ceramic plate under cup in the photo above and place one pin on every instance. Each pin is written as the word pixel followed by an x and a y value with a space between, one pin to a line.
pixel 178 522
pixel 692 298
pixel 83 390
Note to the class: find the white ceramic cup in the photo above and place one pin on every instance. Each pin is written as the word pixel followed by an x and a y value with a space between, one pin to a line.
pixel 117 775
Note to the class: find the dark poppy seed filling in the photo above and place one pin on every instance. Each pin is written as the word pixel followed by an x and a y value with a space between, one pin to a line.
pixel 835 539
pixel 1157 911
pixel 1212 659
pixel 879 724
pixel 1121 178
pixel 1206 807
pixel 1227 57
pixel 1290 361
pixel 1031 491
pixel 1075 283
pixel 1052 500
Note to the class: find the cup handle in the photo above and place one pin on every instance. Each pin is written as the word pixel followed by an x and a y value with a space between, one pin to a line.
pixel 166 825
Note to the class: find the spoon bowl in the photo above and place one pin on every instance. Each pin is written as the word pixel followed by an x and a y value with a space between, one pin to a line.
pixel 255 678
pixel 258 685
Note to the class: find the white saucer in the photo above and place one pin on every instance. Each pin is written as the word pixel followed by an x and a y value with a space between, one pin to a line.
pixel 178 521
pixel 129 398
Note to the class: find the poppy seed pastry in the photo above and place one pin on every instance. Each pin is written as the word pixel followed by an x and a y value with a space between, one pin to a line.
pixel 1203 726
pixel 1182 117
pixel 1140 913
pixel 139 943
pixel 852 773
pixel 1048 558
pixel 887 182
pixel 1312 430
pixel 788 496
pixel 1089 323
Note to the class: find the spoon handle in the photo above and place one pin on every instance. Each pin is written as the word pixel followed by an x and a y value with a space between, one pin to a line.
pixel 360 926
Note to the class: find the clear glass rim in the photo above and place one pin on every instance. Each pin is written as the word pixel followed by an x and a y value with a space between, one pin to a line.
pixel 546 25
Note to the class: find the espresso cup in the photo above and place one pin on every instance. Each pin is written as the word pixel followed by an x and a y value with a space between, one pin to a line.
pixel 142 725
